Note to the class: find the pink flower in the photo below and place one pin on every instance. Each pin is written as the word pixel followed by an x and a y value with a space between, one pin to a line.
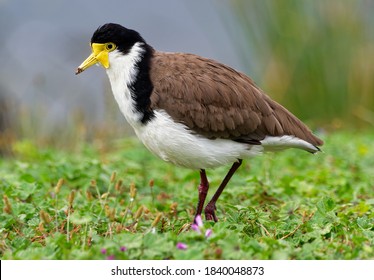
pixel 196 228
pixel 208 233
pixel 123 249
pixel 198 225
pixel 103 251
pixel 181 246
pixel 111 257
pixel 198 221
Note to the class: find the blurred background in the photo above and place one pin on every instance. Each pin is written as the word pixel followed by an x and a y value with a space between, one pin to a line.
pixel 314 57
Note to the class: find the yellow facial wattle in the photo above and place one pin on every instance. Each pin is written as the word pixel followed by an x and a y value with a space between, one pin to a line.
pixel 100 54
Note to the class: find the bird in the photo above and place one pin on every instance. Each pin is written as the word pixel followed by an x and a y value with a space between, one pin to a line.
pixel 191 111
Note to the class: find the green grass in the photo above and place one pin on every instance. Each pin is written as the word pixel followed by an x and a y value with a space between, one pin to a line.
pixel 290 206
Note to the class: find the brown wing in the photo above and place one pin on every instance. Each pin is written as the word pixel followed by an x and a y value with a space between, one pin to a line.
pixel 219 102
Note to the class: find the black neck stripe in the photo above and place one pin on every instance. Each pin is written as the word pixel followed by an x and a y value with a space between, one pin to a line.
pixel 141 89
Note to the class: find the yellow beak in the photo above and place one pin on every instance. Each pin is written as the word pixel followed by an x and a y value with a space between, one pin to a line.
pixel 99 55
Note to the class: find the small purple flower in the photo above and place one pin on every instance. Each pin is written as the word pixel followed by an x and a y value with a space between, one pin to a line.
pixel 123 249
pixel 196 228
pixel 208 233
pixel 198 221
pixel 198 225
pixel 181 246
pixel 111 257
pixel 103 251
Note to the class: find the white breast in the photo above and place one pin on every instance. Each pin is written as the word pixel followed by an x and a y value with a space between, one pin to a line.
pixel 175 143
pixel 122 72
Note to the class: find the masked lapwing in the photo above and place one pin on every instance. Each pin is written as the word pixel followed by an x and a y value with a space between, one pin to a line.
pixel 192 111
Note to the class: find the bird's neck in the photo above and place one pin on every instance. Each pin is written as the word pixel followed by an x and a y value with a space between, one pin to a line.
pixel 131 84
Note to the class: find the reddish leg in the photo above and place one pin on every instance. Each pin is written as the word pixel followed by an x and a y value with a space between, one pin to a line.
pixel 203 191
pixel 211 206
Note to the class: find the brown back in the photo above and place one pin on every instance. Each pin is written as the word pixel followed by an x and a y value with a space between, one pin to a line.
pixel 218 102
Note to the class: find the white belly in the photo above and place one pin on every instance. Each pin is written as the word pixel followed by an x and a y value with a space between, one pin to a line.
pixel 175 143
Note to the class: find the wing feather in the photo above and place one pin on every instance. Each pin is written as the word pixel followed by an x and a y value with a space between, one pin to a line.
pixel 218 102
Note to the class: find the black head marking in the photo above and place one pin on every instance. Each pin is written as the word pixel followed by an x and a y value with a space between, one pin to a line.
pixel 123 37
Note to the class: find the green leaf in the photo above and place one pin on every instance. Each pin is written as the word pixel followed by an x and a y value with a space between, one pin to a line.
pixel 365 223
pixel 325 205
pixel 80 219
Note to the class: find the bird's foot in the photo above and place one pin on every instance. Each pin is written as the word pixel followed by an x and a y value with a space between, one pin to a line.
pixel 210 214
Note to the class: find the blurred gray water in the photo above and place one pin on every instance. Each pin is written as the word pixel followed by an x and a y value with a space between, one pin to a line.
pixel 301 52
pixel 42 42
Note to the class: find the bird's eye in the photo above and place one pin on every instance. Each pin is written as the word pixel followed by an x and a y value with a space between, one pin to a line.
pixel 110 46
